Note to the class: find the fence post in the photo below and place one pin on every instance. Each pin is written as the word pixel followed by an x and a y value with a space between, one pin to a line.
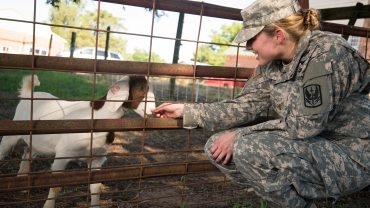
pixel 107 43
pixel 73 44
pixel 176 51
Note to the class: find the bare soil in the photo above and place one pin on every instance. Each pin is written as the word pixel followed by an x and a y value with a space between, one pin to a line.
pixel 150 147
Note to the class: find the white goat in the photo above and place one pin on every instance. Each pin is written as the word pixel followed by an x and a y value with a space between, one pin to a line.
pixel 129 92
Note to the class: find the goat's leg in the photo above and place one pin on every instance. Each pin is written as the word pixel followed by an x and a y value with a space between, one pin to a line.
pixel 24 166
pixel 58 164
pixel 7 143
pixel 96 188
pixel 53 192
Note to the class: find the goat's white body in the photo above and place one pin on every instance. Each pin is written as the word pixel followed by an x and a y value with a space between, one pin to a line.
pixel 49 144
pixel 68 144
pixel 59 109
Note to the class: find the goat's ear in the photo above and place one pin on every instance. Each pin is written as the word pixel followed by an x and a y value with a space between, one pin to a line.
pixel 118 92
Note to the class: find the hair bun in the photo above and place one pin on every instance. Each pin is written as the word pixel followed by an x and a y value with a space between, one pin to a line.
pixel 312 19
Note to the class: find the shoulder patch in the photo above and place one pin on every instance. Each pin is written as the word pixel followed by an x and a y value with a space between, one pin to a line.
pixel 312 96
pixel 316 90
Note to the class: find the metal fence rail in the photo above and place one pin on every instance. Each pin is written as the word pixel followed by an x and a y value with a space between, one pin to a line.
pixel 153 162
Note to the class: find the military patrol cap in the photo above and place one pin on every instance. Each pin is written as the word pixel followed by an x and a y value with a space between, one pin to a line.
pixel 264 12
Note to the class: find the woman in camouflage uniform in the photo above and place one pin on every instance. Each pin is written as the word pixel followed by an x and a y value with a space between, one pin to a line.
pixel 316 85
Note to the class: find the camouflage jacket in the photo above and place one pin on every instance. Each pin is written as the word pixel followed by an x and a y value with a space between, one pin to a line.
pixel 317 93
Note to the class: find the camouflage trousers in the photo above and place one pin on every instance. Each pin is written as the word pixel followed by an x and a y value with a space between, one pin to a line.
pixel 290 173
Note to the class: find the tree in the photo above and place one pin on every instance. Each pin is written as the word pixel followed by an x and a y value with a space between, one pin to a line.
pixel 73 14
pixel 213 54
pixel 142 55
pixel 65 14
pixel 55 3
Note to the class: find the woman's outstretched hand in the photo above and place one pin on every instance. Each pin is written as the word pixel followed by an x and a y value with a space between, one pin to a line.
pixel 169 110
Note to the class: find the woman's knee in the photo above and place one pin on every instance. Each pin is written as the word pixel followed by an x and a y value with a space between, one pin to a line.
pixel 252 145
pixel 263 146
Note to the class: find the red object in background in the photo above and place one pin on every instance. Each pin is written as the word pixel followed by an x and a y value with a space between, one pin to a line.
pixel 223 83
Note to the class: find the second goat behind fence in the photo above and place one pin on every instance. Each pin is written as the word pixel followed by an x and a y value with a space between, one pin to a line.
pixel 133 92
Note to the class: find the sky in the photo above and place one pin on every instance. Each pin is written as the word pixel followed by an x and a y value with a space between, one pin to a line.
pixel 166 26
pixel 137 20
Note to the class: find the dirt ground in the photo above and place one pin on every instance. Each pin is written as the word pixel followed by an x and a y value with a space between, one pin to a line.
pixel 209 189
pixel 150 147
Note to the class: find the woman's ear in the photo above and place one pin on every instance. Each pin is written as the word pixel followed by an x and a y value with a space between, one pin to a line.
pixel 279 35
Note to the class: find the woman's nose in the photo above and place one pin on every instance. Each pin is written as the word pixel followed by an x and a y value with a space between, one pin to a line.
pixel 253 51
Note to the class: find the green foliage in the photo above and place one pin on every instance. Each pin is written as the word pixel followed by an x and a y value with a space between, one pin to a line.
pixel 263 203
pixel 142 55
pixel 246 204
pixel 75 15
pixel 72 14
pixel 207 54
pixel 213 54
pixel 61 84
pixel 55 3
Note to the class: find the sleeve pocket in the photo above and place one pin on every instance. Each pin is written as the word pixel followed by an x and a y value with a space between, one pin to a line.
pixel 316 91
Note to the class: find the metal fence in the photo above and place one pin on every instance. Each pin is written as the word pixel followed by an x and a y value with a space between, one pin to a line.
pixel 152 162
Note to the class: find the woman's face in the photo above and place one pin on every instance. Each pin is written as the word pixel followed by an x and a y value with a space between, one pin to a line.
pixel 265 47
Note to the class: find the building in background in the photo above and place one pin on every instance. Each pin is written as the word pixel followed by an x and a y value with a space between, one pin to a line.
pixel 242 58
pixel 358 43
pixel 18 37
pixel 364 43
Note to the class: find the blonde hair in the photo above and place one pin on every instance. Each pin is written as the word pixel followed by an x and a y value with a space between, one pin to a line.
pixel 297 24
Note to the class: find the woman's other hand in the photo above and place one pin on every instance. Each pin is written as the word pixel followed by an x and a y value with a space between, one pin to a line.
pixel 222 149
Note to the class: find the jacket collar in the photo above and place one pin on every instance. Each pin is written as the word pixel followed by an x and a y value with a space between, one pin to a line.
pixel 279 72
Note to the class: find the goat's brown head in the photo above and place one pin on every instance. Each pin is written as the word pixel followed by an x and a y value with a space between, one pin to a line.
pixel 138 89
pixel 131 91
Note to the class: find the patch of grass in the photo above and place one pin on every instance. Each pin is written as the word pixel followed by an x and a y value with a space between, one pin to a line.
pixel 64 85
pixel 250 204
